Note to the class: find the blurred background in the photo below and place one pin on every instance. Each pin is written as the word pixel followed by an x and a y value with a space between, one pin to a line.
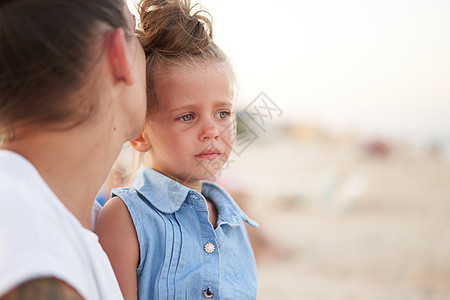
pixel 343 152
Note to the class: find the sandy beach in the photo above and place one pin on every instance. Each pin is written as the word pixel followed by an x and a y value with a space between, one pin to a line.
pixel 340 222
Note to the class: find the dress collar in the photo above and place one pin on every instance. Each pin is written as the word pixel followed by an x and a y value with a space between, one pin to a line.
pixel 165 194
pixel 168 195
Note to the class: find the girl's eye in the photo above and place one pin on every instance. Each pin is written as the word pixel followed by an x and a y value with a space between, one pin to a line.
pixel 186 118
pixel 224 114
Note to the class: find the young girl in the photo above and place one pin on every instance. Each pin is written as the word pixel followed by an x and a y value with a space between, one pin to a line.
pixel 173 235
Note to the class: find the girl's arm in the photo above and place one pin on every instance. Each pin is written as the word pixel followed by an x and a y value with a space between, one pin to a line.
pixel 118 238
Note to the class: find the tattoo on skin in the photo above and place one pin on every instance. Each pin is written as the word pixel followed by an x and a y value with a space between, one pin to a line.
pixel 40 289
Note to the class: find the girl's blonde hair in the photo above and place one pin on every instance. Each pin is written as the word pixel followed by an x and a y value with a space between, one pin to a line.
pixel 175 34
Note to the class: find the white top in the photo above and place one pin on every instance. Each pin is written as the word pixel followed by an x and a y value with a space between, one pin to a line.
pixel 40 237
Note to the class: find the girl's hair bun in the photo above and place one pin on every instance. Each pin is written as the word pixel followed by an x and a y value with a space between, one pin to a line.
pixel 173 28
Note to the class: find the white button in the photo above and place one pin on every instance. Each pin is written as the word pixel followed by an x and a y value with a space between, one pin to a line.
pixel 209 248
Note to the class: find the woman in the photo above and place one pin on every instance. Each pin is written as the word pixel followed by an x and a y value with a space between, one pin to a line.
pixel 72 91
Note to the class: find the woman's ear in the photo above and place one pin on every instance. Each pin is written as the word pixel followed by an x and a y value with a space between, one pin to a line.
pixel 142 142
pixel 118 58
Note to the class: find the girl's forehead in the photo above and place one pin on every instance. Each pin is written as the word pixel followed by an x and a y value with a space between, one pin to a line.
pixel 193 88
pixel 179 76
pixel 188 64
pixel 177 82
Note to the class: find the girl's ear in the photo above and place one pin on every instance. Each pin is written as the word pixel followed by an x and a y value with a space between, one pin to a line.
pixel 142 142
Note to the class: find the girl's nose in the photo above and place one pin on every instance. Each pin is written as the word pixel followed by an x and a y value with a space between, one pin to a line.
pixel 209 130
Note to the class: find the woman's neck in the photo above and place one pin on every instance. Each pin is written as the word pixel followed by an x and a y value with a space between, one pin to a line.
pixel 73 167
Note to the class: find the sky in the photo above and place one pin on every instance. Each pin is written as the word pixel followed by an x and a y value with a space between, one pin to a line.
pixel 379 67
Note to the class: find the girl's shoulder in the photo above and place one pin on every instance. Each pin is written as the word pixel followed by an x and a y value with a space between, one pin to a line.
pixel 114 221
pixel 114 209
pixel 114 229
pixel 132 196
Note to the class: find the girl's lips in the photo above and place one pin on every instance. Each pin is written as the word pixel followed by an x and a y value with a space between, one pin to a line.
pixel 208 155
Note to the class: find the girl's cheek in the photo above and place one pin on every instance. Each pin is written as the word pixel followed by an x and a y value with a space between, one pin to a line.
pixel 227 129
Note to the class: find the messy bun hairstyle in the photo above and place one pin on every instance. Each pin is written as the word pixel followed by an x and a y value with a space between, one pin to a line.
pixel 174 34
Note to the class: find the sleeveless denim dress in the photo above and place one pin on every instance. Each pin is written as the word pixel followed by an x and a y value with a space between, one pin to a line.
pixel 181 255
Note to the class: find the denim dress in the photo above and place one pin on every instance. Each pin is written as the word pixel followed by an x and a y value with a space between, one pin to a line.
pixel 181 255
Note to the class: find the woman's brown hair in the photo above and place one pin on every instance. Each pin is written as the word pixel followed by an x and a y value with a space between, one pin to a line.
pixel 173 34
pixel 47 48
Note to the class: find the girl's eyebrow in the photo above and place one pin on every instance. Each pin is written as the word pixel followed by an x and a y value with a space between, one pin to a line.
pixel 224 103
pixel 192 106
pixel 184 107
